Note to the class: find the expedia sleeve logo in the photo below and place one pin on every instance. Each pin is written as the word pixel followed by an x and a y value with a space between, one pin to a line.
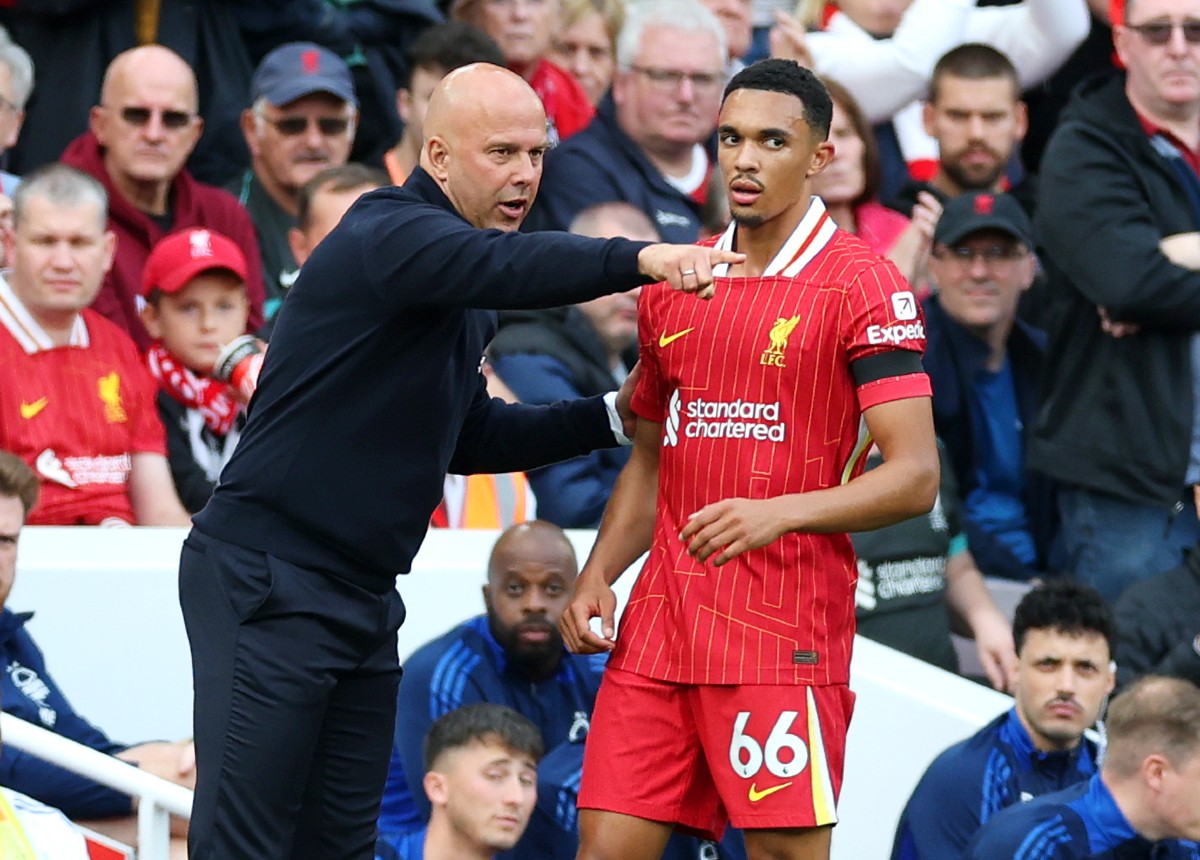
pixel 909 326
pixel 895 334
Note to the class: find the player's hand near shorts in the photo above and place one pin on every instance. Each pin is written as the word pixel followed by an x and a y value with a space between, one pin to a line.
pixel 594 598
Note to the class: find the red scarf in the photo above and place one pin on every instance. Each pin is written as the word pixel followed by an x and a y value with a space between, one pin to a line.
pixel 214 399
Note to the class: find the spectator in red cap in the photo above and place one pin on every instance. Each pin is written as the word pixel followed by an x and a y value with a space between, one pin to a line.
pixel 194 285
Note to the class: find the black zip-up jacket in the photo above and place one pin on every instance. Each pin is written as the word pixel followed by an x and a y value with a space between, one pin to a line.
pixel 1157 623
pixel 371 387
pixel 1117 412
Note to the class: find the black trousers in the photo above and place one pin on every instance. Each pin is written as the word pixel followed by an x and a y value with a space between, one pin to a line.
pixel 295 677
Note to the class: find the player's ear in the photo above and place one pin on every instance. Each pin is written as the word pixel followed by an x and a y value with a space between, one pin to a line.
pixel 149 315
pixel 437 153
pixel 435 788
pixel 821 157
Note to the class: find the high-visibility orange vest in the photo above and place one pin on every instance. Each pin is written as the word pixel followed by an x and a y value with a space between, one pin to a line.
pixel 485 502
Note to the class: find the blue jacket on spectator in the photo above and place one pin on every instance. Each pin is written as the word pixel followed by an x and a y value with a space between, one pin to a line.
pixel 953 358
pixel 971 781
pixel 28 692
pixel 1076 823
pixel 601 164
pixel 462 667
pixel 401 846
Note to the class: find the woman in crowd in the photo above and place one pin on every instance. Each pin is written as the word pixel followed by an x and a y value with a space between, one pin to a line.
pixel 850 186
pixel 586 44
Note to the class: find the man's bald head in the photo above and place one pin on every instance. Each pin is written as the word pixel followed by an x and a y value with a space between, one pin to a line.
pixel 475 90
pixel 536 538
pixel 148 62
pixel 485 135
pixel 146 123
pixel 531 577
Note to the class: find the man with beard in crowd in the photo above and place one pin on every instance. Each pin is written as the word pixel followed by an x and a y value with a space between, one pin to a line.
pixel 512 655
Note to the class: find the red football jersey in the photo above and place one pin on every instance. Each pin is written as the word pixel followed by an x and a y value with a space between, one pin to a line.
pixel 757 398
pixel 75 413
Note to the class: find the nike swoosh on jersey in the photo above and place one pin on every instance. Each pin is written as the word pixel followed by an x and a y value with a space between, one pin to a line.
pixel 29 410
pixel 665 339
pixel 756 795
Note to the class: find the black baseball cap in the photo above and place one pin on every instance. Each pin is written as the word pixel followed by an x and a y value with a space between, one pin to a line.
pixel 299 69
pixel 982 210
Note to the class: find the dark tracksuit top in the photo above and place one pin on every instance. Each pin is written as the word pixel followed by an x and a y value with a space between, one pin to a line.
pixel 968 783
pixel 1078 823
pixel 29 692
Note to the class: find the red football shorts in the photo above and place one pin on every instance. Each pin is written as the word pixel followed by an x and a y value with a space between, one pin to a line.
pixel 702 756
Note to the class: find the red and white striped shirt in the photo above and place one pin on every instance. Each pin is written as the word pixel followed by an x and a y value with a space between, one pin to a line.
pixel 757 396
pixel 76 413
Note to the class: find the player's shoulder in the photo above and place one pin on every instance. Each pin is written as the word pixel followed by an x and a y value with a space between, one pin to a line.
pixel 460 650
pixel 1045 828
pixel 108 341
pixel 852 258
pixel 957 765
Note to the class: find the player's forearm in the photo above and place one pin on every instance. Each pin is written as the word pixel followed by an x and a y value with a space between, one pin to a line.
pixel 890 493
pixel 967 596
pixel 628 524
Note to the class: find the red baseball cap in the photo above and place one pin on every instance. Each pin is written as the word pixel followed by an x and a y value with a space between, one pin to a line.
pixel 179 257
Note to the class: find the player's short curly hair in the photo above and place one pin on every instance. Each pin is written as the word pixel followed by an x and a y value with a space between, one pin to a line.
pixel 1066 606
pixel 790 78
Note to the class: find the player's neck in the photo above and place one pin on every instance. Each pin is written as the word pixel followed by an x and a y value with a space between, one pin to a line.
pixel 762 242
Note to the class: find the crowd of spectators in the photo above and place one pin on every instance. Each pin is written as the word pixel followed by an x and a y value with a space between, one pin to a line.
pixel 1031 166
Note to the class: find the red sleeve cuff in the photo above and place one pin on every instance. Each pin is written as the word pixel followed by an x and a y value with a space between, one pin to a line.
pixel 893 388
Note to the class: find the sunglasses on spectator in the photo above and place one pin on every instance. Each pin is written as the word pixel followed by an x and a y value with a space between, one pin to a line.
pixel 291 126
pixel 172 119
pixel 1160 32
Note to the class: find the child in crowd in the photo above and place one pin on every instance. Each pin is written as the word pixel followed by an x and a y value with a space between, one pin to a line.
pixel 195 304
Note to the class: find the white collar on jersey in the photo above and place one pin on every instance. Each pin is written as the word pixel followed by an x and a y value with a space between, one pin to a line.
pixel 27 331
pixel 809 238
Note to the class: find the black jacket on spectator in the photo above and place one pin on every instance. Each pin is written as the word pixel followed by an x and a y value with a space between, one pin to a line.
pixel 1157 623
pixel 1116 417
pixel 561 333
pixel 953 358
pixel 73 41
pixel 371 390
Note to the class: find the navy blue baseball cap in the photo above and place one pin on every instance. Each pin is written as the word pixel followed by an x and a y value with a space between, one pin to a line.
pixel 982 210
pixel 299 69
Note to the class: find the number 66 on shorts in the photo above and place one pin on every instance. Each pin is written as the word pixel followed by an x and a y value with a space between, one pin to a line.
pixel 785 756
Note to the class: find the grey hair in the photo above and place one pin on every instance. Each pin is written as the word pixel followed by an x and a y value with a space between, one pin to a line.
pixel 61 185
pixel 679 14
pixel 20 68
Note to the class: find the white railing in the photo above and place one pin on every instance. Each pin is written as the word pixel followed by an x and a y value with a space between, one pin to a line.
pixel 158 799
